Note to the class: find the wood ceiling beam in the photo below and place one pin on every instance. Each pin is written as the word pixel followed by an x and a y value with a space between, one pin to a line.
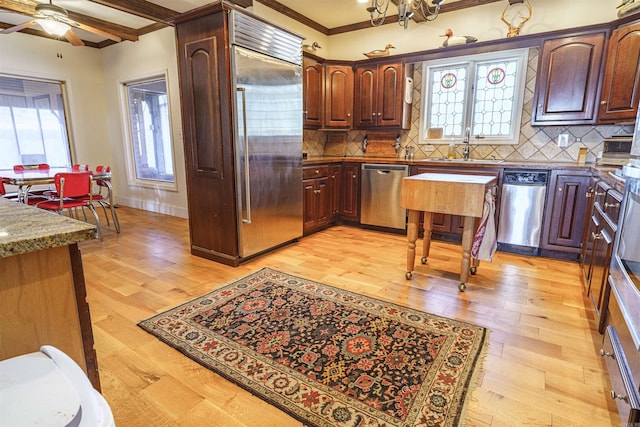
pixel 28 8
pixel 141 8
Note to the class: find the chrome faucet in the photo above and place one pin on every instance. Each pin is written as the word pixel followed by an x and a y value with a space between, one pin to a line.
pixel 466 143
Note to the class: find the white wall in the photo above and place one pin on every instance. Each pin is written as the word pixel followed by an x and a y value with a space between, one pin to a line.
pixel 153 54
pixel 81 69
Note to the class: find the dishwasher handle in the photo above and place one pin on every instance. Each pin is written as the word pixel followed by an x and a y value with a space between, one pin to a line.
pixel 384 168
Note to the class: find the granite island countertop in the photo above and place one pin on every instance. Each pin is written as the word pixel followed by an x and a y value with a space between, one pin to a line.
pixel 26 229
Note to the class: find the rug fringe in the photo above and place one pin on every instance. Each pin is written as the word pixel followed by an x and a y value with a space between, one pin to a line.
pixel 476 377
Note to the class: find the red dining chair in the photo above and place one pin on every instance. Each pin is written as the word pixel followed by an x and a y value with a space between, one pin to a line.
pixel 104 200
pixel 78 167
pixel 72 189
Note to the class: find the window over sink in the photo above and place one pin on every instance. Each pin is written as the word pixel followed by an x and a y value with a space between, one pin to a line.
pixel 481 92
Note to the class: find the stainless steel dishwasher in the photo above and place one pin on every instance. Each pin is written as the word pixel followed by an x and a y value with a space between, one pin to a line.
pixel 380 195
pixel 521 210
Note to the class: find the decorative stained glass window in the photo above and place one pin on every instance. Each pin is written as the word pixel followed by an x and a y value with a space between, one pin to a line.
pixel 482 92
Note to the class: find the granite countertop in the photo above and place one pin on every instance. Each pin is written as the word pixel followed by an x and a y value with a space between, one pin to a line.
pixel 26 229
pixel 478 163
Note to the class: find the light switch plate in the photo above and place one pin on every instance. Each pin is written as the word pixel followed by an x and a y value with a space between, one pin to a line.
pixel 563 140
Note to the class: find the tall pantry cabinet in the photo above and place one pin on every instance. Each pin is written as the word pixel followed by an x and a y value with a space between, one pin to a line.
pixel 234 206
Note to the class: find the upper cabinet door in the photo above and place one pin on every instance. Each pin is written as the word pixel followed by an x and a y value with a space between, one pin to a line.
pixel 313 99
pixel 567 80
pixel 379 99
pixel 621 82
pixel 390 99
pixel 365 105
pixel 338 94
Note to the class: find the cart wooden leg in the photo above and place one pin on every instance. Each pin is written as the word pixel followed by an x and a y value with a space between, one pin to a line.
pixel 412 236
pixel 467 240
pixel 426 242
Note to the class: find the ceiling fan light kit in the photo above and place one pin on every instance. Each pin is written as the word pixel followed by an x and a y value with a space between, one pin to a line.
pixel 406 10
pixel 53 27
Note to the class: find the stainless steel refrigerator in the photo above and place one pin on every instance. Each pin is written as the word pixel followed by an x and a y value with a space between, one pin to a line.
pixel 266 77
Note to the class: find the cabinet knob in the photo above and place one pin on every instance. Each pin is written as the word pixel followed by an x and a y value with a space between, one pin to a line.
pixel 373 114
pixel 317 172
pixel 605 353
pixel 348 114
pixel 615 396
pixel 611 205
pixel 354 177
pixel 603 102
pixel 540 106
pixel 596 236
pixel 316 191
pixel 559 189
pixel 379 114
pixel 599 194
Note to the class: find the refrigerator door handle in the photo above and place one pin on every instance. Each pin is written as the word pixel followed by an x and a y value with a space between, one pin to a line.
pixel 247 183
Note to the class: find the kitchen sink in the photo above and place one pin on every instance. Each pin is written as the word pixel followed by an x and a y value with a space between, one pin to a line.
pixel 476 161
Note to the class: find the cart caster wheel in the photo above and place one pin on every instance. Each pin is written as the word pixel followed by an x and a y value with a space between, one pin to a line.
pixel 462 287
pixel 408 275
pixel 423 260
pixel 473 270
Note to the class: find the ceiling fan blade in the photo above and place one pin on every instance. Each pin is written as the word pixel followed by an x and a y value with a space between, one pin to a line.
pixel 73 38
pixel 17 27
pixel 98 32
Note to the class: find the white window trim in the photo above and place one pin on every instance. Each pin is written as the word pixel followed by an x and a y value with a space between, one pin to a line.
pixel 132 180
pixel 521 54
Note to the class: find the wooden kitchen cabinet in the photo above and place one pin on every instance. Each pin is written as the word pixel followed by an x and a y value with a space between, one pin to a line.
pixel 621 80
pixel 567 80
pixel 338 96
pixel 564 216
pixel 317 197
pixel 313 99
pixel 379 100
pixel 335 180
pixel 349 207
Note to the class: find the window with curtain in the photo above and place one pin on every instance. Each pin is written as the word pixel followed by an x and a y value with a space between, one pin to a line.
pixel 480 92
pixel 149 130
pixel 33 123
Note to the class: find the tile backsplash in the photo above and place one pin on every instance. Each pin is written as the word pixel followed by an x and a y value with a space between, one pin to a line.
pixel 537 143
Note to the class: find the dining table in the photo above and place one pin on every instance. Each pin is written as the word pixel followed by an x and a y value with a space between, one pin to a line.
pixel 27 178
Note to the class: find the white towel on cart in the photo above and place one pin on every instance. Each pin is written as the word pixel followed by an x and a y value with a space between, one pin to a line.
pixel 485 242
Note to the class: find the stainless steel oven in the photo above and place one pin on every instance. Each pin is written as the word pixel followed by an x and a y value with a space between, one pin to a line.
pixel 625 263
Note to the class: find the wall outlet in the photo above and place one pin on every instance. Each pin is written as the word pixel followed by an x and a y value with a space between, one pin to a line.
pixel 563 140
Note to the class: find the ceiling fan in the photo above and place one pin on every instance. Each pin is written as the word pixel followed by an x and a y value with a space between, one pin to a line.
pixel 55 20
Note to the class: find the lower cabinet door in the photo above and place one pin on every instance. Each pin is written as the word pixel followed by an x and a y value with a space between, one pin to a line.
pixel 623 388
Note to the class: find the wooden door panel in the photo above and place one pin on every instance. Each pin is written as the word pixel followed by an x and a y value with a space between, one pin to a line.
pixel 365 100
pixel 621 82
pixel 390 99
pixel 313 99
pixel 338 96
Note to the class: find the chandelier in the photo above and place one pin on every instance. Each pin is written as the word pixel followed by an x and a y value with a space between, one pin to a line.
pixel 406 9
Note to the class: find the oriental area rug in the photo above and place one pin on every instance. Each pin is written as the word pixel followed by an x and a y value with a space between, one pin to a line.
pixel 327 356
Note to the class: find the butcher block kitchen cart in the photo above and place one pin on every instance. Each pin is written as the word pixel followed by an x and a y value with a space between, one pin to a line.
pixel 454 194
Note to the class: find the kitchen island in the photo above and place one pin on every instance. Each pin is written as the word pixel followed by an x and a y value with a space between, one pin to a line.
pixel 42 288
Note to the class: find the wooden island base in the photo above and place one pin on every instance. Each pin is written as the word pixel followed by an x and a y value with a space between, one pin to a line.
pixel 444 193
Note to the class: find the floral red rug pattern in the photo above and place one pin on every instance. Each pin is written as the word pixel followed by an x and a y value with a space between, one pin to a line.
pixel 327 356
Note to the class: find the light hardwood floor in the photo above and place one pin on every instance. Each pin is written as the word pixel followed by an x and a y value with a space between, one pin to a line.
pixel 542 367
